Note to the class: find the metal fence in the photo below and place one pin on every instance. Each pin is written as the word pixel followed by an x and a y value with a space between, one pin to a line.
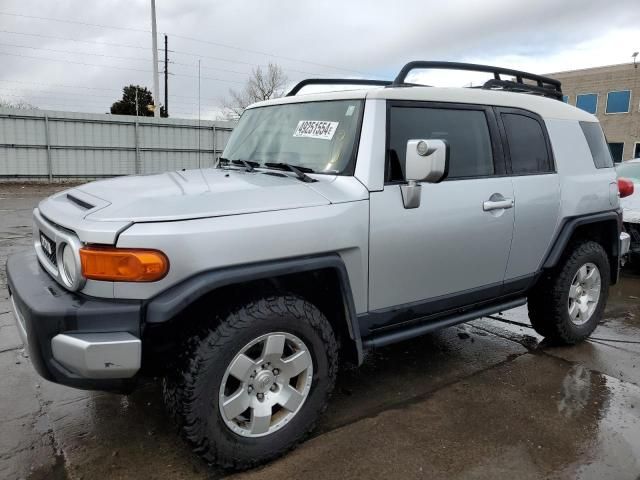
pixel 41 144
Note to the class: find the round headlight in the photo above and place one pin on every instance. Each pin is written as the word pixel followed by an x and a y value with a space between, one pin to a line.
pixel 69 268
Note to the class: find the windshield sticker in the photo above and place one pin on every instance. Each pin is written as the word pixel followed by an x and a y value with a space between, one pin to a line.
pixel 316 129
pixel 350 110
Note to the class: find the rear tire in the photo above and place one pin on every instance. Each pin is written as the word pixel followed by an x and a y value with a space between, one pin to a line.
pixel 568 303
pixel 207 378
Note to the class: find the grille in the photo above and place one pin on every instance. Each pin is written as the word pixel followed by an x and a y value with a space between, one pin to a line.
pixel 50 252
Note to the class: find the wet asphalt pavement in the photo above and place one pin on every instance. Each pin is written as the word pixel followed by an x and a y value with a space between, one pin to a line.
pixel 485 399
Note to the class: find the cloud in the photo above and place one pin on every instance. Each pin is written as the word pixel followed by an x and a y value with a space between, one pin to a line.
pixel 329 38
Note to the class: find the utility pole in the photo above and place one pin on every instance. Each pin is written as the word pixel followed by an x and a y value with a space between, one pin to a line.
pixel 154 42
pixel 166 78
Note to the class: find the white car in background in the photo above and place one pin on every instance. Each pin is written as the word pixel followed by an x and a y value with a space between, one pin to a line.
pixel 631 207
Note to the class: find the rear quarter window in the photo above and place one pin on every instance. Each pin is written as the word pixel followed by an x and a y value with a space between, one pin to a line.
pixel 527 145
pixel 597 144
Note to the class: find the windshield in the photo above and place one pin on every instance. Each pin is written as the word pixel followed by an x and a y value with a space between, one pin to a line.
pixel 630 171
pixel 320 136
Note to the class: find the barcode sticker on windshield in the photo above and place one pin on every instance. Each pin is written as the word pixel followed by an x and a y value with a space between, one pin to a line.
pixel 316 129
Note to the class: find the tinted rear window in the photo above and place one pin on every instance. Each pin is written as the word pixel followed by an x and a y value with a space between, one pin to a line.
pixel 597 144
pixel 527 145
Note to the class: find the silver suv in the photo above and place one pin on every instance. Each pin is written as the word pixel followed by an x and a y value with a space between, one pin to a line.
pixel 335 223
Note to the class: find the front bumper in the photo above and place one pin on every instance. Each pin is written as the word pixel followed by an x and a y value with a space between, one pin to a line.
pixel 73 339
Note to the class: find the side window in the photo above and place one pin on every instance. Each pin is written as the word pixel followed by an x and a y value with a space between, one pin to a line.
pixel 466 131
pixel 527 145
pixel 597 144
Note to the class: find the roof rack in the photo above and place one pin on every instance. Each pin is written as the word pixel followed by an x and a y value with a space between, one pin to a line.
pixel 545 86
pixel 336 81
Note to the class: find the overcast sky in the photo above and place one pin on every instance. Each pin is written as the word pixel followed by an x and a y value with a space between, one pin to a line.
pixel 74 65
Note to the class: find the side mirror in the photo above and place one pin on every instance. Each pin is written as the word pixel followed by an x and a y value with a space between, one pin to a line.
pixel 426 161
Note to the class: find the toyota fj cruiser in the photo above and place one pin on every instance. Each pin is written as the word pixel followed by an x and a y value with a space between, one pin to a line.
pixel 334 223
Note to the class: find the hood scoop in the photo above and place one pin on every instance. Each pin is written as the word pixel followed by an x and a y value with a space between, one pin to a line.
pixel 79 202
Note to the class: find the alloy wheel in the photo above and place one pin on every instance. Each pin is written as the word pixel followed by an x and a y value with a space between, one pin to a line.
pixel 266 384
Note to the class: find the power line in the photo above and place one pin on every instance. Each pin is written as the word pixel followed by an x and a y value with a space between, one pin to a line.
pixel 208 68
pixel 179 52
pixel 184 37
pixel 72 52
pixel 74 62
pixel 23 82
pixel 258 52
pixel 78 103
pixel 110 66
pixel 75 22
pixel 116 91
pixel 138 59
pixel 74 95
pixel 287 69
pixel 51 92
pixel 68 39
pixel 70 100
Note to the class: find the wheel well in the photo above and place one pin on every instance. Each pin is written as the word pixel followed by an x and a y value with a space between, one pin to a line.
pixel 605 233
pixel 321 287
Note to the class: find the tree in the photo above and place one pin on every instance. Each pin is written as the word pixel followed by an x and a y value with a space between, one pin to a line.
pixel 20 105
pixel 127 106
pixel 262 85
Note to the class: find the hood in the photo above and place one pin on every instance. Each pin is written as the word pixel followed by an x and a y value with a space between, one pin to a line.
pixel 193 194
pixel 631 206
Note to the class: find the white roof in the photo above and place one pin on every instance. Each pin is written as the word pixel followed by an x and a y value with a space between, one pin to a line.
pixel 545 107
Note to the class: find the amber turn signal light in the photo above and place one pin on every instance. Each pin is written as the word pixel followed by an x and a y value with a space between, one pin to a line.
pixel 122 264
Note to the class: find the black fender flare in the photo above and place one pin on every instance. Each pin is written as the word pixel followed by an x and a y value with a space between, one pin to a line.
pixel 569 227
pixel 175 299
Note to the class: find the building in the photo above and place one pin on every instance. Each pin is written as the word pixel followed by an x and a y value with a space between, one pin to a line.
pixel 612 93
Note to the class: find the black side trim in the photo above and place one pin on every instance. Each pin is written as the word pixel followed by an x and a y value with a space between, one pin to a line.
pixel 172 301
pixel 402 316
pixel 520 285
pixel 421 329
pixel 569 226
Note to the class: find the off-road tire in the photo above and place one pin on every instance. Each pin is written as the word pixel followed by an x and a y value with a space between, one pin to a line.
pixel 548 302
pixel 191 389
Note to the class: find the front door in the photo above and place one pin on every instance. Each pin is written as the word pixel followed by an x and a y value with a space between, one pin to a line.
pixel 454 248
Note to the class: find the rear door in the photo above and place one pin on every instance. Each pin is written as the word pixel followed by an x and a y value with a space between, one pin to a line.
pixel 454 248
pixel 536 188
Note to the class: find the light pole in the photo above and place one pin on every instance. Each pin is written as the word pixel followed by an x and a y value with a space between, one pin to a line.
pixel 634 56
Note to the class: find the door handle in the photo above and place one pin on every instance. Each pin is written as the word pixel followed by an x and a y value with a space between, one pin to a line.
pixel 501 204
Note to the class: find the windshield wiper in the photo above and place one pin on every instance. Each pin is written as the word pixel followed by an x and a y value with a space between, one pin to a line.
pixel 299 171
pixel 247 164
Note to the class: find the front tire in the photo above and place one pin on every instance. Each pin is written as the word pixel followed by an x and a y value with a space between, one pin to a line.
pixel 251 387
pixel 569 302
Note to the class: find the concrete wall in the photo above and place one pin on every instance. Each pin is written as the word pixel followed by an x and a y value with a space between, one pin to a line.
pixel 42 144
pixel 618 127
